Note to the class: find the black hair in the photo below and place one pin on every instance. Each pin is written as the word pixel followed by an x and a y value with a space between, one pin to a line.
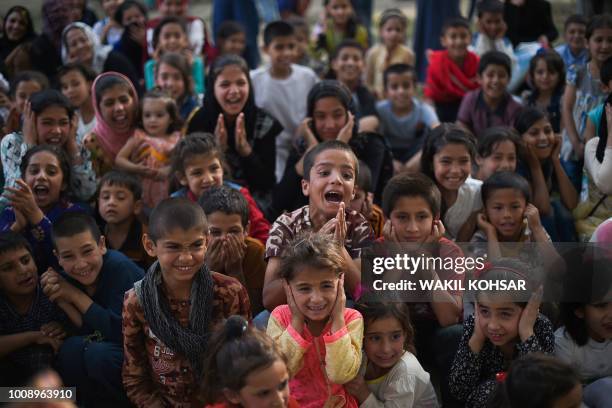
pixel 126 5
pixel 168 20
pixel 110 81
pixel 194 144
pixel 25 14
pixel 318 251
pixel 122 179
pixel 372 311
pixel 446 133
pixel 11 241
pixel 178 61
pixel 176 122
pixel 455 22
pixel 494 135
pixel 226 200
pixel 60 155
pixel 411 185
pixel 26 76
pixel 350 31
pixel 236 350
pixel 329 88
pixel 553 62
pixel 72 223
pixel 495 58
pixel 311 155
pixel 527 117
pixel 490 6
pixel 390 14
pixel 50 97
pixel 364 179
pixel 597 22
pixel 505 180
pixel 277 29
pixel 510 270
pixel 398 69
pixel 534 380
pixel 348 43
pixel 83 69
pixel 228 28
pixel 575 19
pixel 172 213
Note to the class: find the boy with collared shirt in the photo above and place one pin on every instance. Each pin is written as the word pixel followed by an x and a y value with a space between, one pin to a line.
pixel 451 72
pixel 282 87
pixel 230 249
pixel 574 51
pixel 330 169
pixel 90 290
pixel 492 105
pixel 119 205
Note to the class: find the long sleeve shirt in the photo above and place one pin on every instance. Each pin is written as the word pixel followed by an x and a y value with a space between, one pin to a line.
pixel 319 365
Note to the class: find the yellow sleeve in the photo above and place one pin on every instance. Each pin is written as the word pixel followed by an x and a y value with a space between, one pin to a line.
pixel 290 342
pixel 343 352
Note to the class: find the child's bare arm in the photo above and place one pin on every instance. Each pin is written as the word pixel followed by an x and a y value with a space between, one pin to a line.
pixel 569 196
pixel 541 198
pixel 17 341
pixel 567 117
pixel 123 161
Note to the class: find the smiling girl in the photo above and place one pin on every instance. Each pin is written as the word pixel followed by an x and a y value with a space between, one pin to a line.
pixel 75 81
pixel 245 133
pixel 503 327
pixel 49 119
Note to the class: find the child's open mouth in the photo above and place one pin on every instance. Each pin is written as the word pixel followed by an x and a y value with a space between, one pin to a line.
pixel 29 281
pixel 41 192
pixel 496 337
pixel 543 145
pixel 334 197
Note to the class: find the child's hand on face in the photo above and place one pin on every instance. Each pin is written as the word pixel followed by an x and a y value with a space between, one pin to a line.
pixel 358 388
pixel 530 314
pixel 478 337
pixel 305 130
pixel 30 136
pixel 532 155
pixel 556 150
pixel 53 329
pixel 235 250
pixel 71 144
pixel 437 232
pixel 22 197
pixel 337 314
pixel 389 233
pixel 297 318
pixel 533 216
pixel 20 221
pixel 485 225
pixel 346 133
pixel 221 133
pixel 340 229
pixel 215 256
pixel 242 144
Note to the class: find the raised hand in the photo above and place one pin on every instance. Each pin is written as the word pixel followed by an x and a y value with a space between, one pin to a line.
pixel 530 314
pixel 30 136
pixel 485 225
pixel 389 233
pixel 337 313
pixel 340 229
pixel 215 256
pixel 235 250
pixel 533 216
pixel 305 130
pixel 21 197
pixel 437 232
pixel 242 144
pixel 297 317
pixel 478 338
pixel 346 133
pixel 556 150
pixel 221 133
pixel 20 221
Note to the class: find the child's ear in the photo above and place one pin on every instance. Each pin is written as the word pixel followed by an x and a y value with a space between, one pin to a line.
pixel 247 228
pixel 232 396
pixel 102 244
pixel 479 79
pixel 149 245
pixel 479 160
pixel 305 187
pixel 180 176
pixel 579 313
pixel 137 207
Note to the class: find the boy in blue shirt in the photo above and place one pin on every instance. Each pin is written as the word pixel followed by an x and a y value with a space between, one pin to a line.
pixel 90 290
pixel 574 51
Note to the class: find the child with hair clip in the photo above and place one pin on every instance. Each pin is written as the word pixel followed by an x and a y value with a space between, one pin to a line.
pixel 245 369
pixel 171 36
pixel 497 150
pixel 38 199
pixel 582 93
pixel 75 81
pixel 22 86
pixel 505 325
pixel 49 119
pixel 447 158
pixel 321 337
pixel 542 167
pixel 198 164
pixel 537 381
pixel 173 76
pixel 161 124
pixel 390 374
pixel 585 339
pixel 391 50
pixel 547 82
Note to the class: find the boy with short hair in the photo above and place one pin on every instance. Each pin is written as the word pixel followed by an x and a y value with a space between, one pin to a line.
pixel 492 105
pixel 31 326
pixel 403 118
pixel 90 290
pixel 303 49
pixel 119 205
pixel 491 34
pixel 330 169
pixel 282 87
pixel 363 202
pixel 574 51
pixel 169 315
pixel 451 72
pixel 230 249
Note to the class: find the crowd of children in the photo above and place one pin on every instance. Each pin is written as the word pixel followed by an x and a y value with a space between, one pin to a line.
pixel 182 227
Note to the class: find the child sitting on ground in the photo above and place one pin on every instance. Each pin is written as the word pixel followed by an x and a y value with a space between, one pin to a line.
pixel 230 249
pixel 31 327
pixel 120 206
pixel 498 150
pixel 330 169
pixel 90 290
pixel 169 316
pixel 321 337
pixel 451 72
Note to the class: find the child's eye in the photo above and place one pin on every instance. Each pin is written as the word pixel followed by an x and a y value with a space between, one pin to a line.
pixel 396 336
pixel 25 260
pixel 324 173
pixel 348 176
pixel 484 312
pixel 374 338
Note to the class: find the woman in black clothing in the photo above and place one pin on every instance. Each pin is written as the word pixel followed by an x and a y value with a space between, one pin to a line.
pixel 17 28
pixel 330 116
pixel 132 16
pixel 529 21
